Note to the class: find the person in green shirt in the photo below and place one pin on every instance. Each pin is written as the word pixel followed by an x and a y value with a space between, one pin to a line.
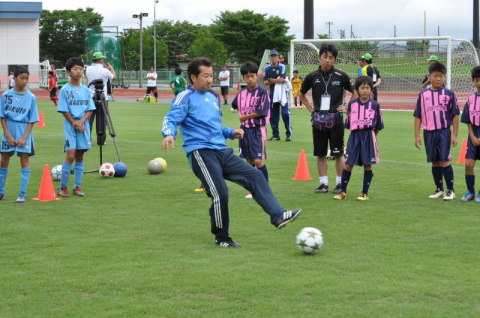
pixel 178 83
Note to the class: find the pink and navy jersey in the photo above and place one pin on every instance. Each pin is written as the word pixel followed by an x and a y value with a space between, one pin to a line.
pixel 436 108
pixel 363 116
pixel 255 101
pixel 471 112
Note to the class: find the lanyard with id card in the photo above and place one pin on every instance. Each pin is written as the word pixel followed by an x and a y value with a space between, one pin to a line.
pixel 325 102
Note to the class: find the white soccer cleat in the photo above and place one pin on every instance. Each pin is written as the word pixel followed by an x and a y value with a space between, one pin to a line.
pixel 437 194
pixel 449 195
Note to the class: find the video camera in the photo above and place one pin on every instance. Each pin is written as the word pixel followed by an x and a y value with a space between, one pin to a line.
pixel 98 85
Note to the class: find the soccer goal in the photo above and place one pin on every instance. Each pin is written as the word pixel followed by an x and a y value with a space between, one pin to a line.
pixel 402 63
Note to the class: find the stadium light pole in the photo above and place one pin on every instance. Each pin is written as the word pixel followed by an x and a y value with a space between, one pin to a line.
pixel 155 35
pixel 140 16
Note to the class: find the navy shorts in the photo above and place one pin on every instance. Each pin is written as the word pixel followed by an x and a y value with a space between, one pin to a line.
pixel 473 152
pixel 224 90
pixel 53 92
pixel 437 145
pixel 362 148
pixel 252 145
pixel 334 136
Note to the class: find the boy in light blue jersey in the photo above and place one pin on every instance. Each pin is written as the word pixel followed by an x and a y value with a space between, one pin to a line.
pixel 18 113
pixel 76 104
pixel 197 111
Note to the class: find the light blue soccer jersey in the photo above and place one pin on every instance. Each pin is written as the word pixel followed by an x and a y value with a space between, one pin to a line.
pixel 19 110
pixel 76 101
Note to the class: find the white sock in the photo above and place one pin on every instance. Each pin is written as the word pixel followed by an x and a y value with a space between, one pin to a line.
pixel 339 179
pixel 323 180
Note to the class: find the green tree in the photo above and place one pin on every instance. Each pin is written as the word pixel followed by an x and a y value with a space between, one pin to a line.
pixel 62 32
pixel 178 36
pixel 247 35
pixel 206 45
pixel 131 50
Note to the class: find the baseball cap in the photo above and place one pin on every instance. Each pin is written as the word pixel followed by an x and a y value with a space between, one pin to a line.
pixel 98 55
pixel 273 52
pixel 367 56
pixel 433 58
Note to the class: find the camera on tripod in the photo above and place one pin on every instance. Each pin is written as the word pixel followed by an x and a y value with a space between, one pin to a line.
pixel 98 85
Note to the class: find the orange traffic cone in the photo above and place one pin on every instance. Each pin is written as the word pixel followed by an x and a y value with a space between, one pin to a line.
pixel 302 172
pixel 463 152
pixel 46 191
pixel 41 121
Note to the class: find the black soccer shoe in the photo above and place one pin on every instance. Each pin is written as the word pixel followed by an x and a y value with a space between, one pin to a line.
pixel 287 217
pixel 338 189
pixel 323 188
pixel 227 243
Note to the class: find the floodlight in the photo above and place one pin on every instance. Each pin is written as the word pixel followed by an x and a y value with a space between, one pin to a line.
pixel 145 14
pixel 135 16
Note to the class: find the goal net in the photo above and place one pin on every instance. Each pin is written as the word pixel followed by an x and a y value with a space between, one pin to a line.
pixel 402 63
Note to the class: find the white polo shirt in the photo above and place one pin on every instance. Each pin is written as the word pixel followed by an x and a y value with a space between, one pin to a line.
pixel 97 71
pixel 150 82
pixel 226 74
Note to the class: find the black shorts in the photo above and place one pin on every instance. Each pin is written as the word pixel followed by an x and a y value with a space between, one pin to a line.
pixel 53 92
pixel 109 87
pixel 152 89
pixel 333 136
pixel 224 90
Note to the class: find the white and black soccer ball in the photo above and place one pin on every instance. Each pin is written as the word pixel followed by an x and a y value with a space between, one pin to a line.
pixel 106 170
pixel 309 240
pixel 56 172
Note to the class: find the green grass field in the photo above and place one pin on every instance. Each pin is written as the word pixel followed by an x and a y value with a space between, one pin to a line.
pixel 140 246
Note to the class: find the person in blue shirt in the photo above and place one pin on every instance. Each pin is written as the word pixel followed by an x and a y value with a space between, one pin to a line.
pixel 18 113
pixel 76 104
pixel 198 113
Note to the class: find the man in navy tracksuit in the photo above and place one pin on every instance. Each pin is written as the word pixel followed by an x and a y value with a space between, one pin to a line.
pixel 197 111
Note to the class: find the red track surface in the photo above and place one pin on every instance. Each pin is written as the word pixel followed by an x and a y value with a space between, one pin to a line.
pixel 388 100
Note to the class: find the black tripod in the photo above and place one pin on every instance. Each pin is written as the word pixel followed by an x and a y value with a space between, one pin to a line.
pixel 103 120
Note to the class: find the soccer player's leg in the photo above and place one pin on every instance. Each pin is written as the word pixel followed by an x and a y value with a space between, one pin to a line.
pixel 320 149
pixel 286 117
pixel 336 139
pixel 444 160
pixel 437 170
pixel 274 120
pixel 69 147
pixel 5 160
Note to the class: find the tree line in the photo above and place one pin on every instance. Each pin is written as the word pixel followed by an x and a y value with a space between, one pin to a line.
pixel 231 37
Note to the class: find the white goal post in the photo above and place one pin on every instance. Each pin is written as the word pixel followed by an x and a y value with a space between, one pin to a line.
pixel 402 63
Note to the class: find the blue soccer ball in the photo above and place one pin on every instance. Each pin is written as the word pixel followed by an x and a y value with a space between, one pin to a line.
pixel 120 169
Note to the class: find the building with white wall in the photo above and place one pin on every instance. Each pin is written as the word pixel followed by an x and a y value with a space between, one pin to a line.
pixel 19 40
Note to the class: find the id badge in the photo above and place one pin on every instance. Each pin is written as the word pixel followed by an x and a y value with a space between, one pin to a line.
pixel 374 78
pixel 325 103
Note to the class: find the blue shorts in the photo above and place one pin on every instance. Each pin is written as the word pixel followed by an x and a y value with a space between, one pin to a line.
pixel 437 145
pixel 17 129
pixel 253 144
pixel 362 148
pixel 74 139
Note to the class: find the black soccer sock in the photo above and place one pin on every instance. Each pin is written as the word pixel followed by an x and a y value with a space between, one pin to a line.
pixel 264 171
pixel 367 180
pixel 345 179
pixel 448 175
pixel 470 180
pixel 437 173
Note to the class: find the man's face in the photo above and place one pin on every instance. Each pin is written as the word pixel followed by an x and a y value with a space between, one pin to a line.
pixel 151 69
pixel 203 82
pixel 274 59
pixel 224 68
pixel 327 60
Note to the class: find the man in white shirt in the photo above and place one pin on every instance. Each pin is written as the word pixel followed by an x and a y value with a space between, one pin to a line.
pixel 224 78
pixel 99 70
pixel 152 83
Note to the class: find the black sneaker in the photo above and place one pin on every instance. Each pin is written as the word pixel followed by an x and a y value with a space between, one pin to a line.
pixel 227 243
pixel 288 138
pixel 287 217
pixel 323 188
pixel 274 138
pixel 338 189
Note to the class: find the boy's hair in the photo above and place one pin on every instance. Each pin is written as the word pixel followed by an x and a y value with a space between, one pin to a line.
pixel 437 67
pixel 328 48
pixel 178 71
pixel 295 72
pixel 248 67
pixel 51 73
pixel 363 80
pixel 476 72
pixel 20 70
pixel 72 62
pixel 194 66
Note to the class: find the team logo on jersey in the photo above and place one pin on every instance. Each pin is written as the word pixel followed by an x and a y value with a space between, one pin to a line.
pixel 444 99
pixel 18 99
pixel 336 83
pixel 317 80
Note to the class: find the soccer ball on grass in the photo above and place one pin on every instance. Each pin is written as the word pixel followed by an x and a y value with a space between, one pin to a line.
pixel 120 169
pixel 309 240
pixel 157 166
pixel 56 172
pixel 106 170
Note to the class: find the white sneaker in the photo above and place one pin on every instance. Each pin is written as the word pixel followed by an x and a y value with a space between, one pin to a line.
pixel 249 196
pixel 449 195
pixel 437 194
